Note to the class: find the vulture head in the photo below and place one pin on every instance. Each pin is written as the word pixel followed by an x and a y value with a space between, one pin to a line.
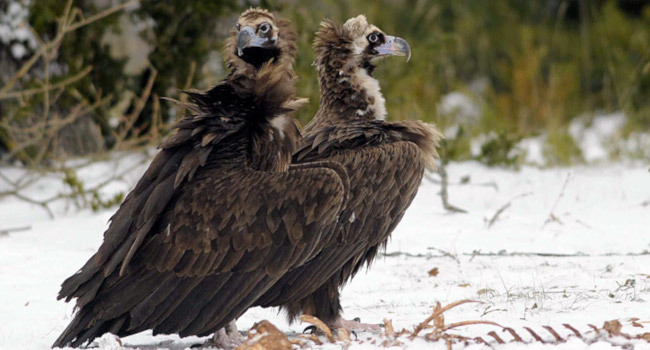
pixel 258 95
pixel 259 37
pixel 346 56
pixel 368 43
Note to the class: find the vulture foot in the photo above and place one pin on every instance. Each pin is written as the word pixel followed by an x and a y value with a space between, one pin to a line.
pixel 355 325
pixel 227 338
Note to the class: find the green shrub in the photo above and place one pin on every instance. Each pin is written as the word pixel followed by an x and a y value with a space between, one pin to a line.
pixel 542 62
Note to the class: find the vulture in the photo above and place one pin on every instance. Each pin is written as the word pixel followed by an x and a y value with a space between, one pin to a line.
pixel 220 215
pixel 384 160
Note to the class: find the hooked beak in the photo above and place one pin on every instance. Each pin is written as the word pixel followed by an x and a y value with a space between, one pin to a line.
pixel 247 38
pixel 394 46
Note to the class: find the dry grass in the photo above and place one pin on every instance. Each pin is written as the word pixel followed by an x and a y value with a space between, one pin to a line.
pixel 434 329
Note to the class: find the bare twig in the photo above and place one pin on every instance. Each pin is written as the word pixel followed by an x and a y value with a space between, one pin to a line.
pixel 82 195
pixel 410 255
pixel 444 184
pixel 42 204
pixel 101 15
pixel 39 133
pixel 445 253
pixel 43 132
pixel 437 312
pixel 389 331
pixel 535 335
pixel 551 216
pixel 129 120
pixel 7 231
pixel 65 26
pixel 59 85
pixel 554 333
pixel 183 98
pixel 504 207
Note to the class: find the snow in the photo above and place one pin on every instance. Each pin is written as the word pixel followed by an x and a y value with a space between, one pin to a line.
pixel 533 149
pixel 594 138
pixel 15 29
pixel 461 106
pixel 572 247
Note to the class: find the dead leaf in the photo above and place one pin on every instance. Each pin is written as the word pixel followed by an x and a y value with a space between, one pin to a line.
pixel 484 291
pixel 388 328
pixel 434 272
pixel 464 285
pixel 439 320
pixel 265 336
pixel 311 337
pixel 343 335
pixel 613 327
pixel 644 336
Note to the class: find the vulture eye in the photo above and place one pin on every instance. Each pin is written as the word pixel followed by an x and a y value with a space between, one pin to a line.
pixel 264 28
pixel 373 38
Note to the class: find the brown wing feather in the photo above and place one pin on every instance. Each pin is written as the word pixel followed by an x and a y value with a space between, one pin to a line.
pixel 385 163
pixel 218 217
pixel 383 181
pixel 226 239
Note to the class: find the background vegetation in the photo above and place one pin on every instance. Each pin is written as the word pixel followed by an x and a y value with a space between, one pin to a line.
pixel 529 67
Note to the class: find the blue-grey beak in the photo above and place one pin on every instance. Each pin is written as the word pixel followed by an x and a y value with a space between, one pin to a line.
pixel 394 46
pixel 248 38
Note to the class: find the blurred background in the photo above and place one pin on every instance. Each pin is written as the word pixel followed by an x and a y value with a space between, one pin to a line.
pixel 545 105
pixel 86 76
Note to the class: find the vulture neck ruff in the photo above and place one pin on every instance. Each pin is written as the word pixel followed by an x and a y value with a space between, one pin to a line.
pixel 273 131
pixel 349 92
pixel 248 116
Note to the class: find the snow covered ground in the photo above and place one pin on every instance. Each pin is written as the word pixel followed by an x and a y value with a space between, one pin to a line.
pixel 568 245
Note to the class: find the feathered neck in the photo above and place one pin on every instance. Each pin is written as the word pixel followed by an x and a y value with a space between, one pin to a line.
pixel 248 116
pixel 348 90
pixel 275 136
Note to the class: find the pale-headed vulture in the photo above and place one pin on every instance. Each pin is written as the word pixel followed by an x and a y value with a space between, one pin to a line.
pixel 385 163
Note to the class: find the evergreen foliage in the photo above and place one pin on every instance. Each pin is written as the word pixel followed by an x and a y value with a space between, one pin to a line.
pixel 531 66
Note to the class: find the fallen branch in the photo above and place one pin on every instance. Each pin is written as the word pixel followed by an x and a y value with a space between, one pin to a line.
pixel 7 231
pixel 436 316
pixel 504 207
pixel 81 195
pixel 444 196
pixel 551 216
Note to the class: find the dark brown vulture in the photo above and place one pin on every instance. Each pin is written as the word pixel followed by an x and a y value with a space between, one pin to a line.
pixel 219 216
pixel 385 162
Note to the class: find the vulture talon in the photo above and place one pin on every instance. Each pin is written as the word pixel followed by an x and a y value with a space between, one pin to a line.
pixel 226 338
pixel 310 330
pixel 355 325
